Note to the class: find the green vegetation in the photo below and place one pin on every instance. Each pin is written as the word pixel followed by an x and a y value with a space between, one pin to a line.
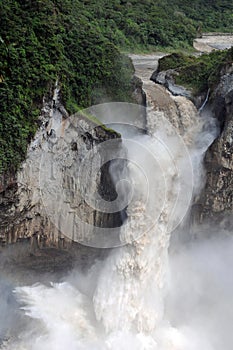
pixel 44 41
pixel 78 43
pixel 96 122
pixel 139 25
pixel 196 73
pixel 136 25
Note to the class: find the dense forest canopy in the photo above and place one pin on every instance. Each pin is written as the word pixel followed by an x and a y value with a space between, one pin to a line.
pixel 78 43
pixel 159 22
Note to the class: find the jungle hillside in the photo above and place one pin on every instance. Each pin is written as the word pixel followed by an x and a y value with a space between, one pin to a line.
pixel 80 44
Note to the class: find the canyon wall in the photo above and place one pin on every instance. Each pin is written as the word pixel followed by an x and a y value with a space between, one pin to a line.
pixel 36 202
pixel 216 201
pixel 61 143
pixel 24 215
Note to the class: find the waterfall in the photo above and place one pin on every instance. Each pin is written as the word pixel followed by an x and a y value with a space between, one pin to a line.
pixel 205 101
pixel 119 303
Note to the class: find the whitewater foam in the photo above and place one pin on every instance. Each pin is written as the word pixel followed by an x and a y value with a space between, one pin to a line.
pixel 125 306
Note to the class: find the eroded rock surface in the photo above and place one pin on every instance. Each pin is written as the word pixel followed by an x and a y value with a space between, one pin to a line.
pixel 50 174
pixel 216 202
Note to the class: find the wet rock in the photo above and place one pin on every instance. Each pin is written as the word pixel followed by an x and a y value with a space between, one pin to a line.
pixel 60 142
pixel 166 78
pixel 138 94
pixel 217 197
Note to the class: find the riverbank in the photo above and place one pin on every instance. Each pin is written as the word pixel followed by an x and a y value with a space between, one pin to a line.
pixel 213 41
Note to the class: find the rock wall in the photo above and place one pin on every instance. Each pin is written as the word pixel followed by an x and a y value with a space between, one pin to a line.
pixel 61 141
pixel 216 202
pixel 34 231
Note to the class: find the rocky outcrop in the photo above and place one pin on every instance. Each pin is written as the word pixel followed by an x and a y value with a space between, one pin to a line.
pixel 216 202
pixel 166 78
pixel 48 178
pixel 138 93
pixel 28 217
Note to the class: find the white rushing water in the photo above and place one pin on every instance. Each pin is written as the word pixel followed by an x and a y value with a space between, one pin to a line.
pixel 141 297
pixel 121 302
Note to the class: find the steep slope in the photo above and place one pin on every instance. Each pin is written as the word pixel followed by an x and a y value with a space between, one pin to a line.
pixel 216 202
pixel 42 42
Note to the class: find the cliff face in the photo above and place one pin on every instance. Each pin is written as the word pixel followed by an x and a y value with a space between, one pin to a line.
pixel 216 202
pixel 31 200
pixel 37 204
pixel 28 209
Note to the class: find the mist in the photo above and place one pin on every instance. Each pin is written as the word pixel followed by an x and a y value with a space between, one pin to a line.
pixel 155 291
pixel 200 297
pixel 198 305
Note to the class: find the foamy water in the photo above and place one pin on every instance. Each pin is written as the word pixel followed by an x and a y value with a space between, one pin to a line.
pixel 121 302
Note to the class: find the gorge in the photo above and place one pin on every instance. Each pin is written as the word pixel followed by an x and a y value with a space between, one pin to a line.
pixel 142 294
